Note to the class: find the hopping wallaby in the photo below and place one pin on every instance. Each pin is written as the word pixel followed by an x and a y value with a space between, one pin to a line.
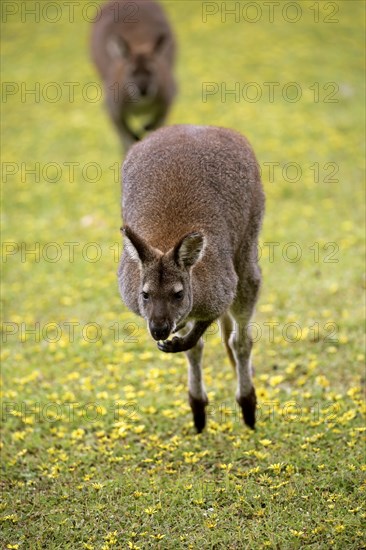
pixel 192 209
pixel 133 48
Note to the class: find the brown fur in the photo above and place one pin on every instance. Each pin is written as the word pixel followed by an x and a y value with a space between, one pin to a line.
pixel 133 48
pixel 192 207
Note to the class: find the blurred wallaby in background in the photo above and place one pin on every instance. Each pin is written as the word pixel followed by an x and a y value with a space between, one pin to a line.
pixel 192 209
pixel 133 48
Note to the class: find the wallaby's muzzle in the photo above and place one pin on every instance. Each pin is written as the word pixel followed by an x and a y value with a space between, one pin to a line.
pixel 160 330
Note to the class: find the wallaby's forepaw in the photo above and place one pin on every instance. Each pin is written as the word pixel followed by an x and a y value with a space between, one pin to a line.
pixel 176 345
pixel 248 404
pixel 179 327
pixel 172 346
pixel 198 410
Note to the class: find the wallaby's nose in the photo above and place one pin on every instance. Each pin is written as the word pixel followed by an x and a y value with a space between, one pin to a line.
pixel 159 331
pixel 143 89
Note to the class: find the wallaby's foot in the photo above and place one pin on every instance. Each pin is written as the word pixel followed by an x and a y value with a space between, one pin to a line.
pixel 175 345
pixel 135 137
pixel 248 404
pixel 198 410
pixel 129 139
pixel 150 126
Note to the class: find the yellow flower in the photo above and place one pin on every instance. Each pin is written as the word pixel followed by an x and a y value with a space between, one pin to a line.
pixel 291 368
pixel 298 534
pixel 260 455
pixel 150 511
pixel 190 458
pixel 254 470
pixel 146 355
pixel 290 469
pixel 210 524
pixel 276 467
pixel 139 429
pixel 226 466
pixel 18 436
pixel 276 380
pixel 322 381
pixel 264 478
pixel 77 434
pixel 10 517
pixel 301 381
pixel 347 416
pixel 266 308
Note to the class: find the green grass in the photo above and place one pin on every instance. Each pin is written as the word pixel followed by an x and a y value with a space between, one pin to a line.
pixel 98 447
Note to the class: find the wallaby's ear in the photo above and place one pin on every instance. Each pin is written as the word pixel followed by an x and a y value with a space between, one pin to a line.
pixel 189 249
pixel 117 47
pixel 137 248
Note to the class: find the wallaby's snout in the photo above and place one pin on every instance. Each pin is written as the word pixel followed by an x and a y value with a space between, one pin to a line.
pixel 159 329
pixel 143 84
pixel 159 316
pixel 142 75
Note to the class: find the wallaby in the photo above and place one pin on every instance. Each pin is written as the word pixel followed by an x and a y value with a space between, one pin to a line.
pixel 133 48
pixel 192 209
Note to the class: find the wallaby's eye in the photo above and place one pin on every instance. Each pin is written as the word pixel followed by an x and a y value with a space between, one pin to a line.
pixel 160 41
pixel 178 295
pixel 145 296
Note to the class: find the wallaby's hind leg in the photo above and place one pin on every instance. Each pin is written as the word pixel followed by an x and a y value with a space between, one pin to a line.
pixel 128 137
pixel 128 140
pixel 159 118
pixel 241 342
pixel 227 329
pixel 196 390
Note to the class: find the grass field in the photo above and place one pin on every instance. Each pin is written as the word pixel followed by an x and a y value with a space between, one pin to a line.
pixel 98 446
